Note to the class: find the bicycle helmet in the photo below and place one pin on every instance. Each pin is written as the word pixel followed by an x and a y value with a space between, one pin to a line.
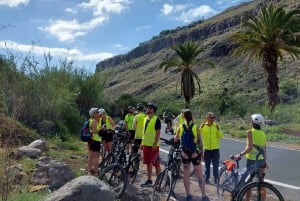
pixel 152 105
pixel 257 119
pixel 130 107
pixel 139 107
pixel 92 111
pixel 101 111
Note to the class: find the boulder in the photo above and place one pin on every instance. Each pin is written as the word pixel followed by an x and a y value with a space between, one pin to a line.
pixel 83 188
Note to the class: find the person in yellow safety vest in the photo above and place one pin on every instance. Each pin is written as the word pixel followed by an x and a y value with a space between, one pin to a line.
pixel 255 137
pixel 211 134
pixel 190 155
pixel 179 120
pixel 138 126
pixel 129 125
pixel 95 143
pixel 107 127
pixel 150 143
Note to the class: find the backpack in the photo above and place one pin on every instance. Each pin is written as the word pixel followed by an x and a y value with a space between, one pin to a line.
pixel 85 133
pixel 187 139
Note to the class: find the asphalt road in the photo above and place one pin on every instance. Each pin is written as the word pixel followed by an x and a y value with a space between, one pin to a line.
pixel 284 164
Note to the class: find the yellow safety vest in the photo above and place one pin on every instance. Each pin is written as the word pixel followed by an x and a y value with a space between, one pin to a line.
pixel 259 139
pixel 139 118
pixel 211 136
pixel 150 132
pixel 129 119
pixel 95 136
pixel 107 122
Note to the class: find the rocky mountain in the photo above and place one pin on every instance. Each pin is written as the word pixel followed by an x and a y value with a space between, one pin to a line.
pixel 137 72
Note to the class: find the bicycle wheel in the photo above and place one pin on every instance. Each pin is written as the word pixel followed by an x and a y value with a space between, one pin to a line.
pixel 115 176
pixel 133 169
pixel 106 161
pixel 162 187
pixel 259 191
pixel 225 184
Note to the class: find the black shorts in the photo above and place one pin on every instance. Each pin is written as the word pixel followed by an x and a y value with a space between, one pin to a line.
pixel 107 136
pixel 195 161
pixel 94 145
pixel 132 134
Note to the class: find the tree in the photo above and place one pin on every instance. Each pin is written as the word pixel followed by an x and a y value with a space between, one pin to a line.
pixel 187 54
pixel 267 37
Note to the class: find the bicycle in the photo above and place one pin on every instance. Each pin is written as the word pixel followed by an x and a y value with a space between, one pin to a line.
pixel 164 184
pixel 124 170
pixel 236 185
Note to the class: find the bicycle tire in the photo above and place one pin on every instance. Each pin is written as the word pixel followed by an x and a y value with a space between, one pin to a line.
pixel 225 184
pixel 116 178
pixel 106 161
pixel 269 192
pixel 162 187
pixel 133 169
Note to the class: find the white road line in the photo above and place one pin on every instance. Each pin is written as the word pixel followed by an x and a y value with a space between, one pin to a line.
pixel 267 180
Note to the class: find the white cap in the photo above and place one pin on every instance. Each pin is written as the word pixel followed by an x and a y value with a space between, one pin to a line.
pixel 101 111
pixel 92 111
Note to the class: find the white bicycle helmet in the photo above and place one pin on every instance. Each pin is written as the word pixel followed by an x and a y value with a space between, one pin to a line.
pixel 92 111
pixel 257 119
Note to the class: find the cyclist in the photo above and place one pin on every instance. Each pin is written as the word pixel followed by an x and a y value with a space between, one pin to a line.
pixel 179 119
pixel 188 157
pixel 129 125
pixel 255 136
pixel 138 126
pixel 107 127
pixel 168 116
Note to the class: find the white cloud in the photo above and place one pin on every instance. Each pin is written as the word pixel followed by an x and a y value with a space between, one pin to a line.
pixel 13 3
pixel 121 47
pixel 71 54
pixel 170 9
pixel 68 31
pixel 138 29
pixel 196 13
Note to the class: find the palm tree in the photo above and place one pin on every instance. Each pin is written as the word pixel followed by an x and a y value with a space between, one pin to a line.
pixel 185 60
pixel 267 37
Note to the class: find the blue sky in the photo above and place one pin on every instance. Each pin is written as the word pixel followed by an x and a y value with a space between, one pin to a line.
pixel 89 31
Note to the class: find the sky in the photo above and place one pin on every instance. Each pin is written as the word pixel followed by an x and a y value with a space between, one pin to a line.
pixel 89 31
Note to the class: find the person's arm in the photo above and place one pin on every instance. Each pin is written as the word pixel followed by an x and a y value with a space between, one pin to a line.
pixel 134 123
pixel 248 147
pixel 176 136
pixel 112 123
pixel 199 140
pixel 219 131
pixel 157 134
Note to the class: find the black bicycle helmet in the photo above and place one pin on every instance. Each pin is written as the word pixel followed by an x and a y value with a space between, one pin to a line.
pixel 152 105
pixel 139 107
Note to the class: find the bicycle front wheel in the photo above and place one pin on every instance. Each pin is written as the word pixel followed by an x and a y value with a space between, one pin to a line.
pixel 162 187
pixel 225 184
pixel 115 176
pixel 133 169
pixel 259 191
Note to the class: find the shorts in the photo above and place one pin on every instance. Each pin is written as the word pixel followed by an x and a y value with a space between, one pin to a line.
pixel 94 145
pixel 195 161
pixel 151 156
pixel 132 133
pixel 107 136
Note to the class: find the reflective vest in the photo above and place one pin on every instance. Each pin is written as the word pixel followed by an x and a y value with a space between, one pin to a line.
pixel 95 136
pixel 107 122
pixel 139 118
pixel 129 119
pixel 259 139
pixel 150 132
pixel 211 136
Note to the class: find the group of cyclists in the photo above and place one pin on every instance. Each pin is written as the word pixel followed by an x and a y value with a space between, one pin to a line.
pixel 143 127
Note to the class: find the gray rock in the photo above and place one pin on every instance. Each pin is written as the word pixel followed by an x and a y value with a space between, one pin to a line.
pixel 87 188
pixel 30 152
pixel 38 144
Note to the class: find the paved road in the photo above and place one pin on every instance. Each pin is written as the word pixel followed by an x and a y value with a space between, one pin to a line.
pixel 284 171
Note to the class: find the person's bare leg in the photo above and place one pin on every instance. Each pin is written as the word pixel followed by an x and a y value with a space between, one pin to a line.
pixel 198 172
pixel 186 178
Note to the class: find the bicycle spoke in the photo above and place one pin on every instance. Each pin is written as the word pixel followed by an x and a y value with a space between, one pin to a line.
pixel 260 192
pixel 162 187
pixel 225 185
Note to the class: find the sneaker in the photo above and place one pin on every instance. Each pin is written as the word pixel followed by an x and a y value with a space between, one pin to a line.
pixel 147 183
pixel 205 198
pixel 189 198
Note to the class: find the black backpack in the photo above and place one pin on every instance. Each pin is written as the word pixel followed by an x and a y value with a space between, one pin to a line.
pixel 85 133
pixel 187 139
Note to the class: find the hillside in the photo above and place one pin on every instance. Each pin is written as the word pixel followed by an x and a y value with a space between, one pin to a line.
pixel 137 72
